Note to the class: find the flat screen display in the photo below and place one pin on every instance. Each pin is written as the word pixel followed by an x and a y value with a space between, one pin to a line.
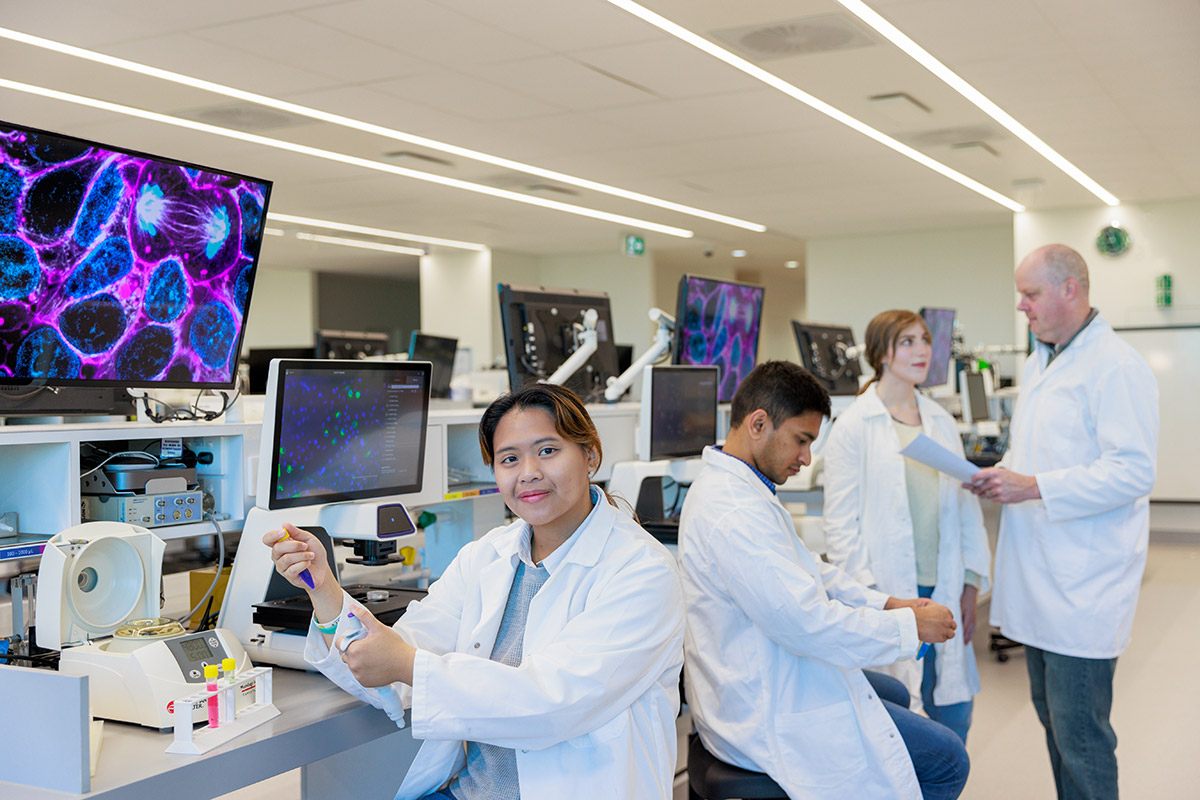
pixel 350 344
pixel 683 411
pixel 716 324
pixel 941 331
pixel 543 328
pixel 347 430
pixel 439 351
pixel 121 268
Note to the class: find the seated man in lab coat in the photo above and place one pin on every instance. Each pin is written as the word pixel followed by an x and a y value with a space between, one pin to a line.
pixel 776 639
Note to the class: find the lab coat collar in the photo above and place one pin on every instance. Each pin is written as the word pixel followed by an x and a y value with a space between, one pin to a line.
pixel 873 405
pixel 1096 329
pixel 584 547
pixel 732 464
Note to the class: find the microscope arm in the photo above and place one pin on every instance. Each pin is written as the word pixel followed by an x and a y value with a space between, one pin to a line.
pixel 587 346
pixel 662 344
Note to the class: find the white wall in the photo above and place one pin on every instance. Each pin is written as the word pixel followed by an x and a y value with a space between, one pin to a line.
pixel 282 309
pixel 853 278
pixel 1163 237
pixel 457 297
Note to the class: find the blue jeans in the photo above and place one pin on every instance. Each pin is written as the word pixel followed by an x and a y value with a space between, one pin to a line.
pixel 1073 698
pixel 938 755
pixel 956 716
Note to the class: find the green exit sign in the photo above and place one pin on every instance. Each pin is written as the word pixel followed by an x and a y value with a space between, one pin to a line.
pixel 1162 287
pixel 635 245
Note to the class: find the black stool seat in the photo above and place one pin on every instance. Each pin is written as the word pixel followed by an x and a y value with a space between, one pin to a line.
pixel 709 778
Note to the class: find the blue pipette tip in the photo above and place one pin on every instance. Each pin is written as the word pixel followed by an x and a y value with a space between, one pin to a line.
pixel 306 576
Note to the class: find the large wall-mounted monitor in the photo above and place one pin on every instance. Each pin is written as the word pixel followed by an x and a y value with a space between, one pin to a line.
pixel 823 351
pixel 940 322
pixel 439 351
pixel 679 411
pixel 350 344
pixel 717 324
pixel 542 328
pixel 122 268
pixel 335 431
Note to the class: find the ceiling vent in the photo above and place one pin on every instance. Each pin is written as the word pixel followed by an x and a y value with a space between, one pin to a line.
pixel 518 182
pixel 399 156
pixel 247 117
pixel 949 137
pixel 975 148
pixel 823 33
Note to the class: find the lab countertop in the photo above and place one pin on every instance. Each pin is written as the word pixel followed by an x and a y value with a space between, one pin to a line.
pixel 317 720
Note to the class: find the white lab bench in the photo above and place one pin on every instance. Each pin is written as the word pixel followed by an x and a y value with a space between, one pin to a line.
pixel 344 748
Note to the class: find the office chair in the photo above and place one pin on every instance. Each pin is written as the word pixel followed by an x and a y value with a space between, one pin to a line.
pixel 709 778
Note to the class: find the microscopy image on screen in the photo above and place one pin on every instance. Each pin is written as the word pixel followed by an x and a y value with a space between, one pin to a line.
pixel 121 267
pixel 717 325
pixel 348 433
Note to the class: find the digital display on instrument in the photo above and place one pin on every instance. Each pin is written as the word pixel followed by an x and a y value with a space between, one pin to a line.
pixel 195 650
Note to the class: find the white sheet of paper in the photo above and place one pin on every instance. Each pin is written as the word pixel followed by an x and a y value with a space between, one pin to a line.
pixel 928 452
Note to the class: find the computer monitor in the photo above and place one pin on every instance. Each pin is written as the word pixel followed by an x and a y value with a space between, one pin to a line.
pixel 717 324
pixel 350 344
pixel 941 333
pixel 679 411
pixel 542 329
pixel 823 351
pixel 335 431
pixel 438 350
pixel 122 268
pixel 973 391
pixel 258 363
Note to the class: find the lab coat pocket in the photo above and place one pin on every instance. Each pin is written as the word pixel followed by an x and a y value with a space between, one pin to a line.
pixel 605 733
pixel 821 748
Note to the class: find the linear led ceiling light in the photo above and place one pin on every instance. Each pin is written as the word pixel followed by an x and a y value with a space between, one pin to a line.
pixel 359 243
pixel 947 76
pixel 367 127
pixel 343 158
pixel 776 82
pixel 380 232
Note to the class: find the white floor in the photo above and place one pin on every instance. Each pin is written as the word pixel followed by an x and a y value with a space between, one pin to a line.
pixel 1156 709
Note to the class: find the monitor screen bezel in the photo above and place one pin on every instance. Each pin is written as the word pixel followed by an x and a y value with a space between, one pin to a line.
pixel 274 418
pixel 665 370
pixel 681 316
pixel 235 346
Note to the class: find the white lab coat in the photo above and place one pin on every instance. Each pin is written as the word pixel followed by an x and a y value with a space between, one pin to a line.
pixel 775 642
pixel 1068 566
pixel 590 711
pixel 868 528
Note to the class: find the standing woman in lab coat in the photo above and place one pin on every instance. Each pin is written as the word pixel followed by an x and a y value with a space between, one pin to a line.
pixel 900 526
pixel 551 647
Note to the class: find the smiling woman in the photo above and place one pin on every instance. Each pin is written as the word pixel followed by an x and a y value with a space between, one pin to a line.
pixel 549 650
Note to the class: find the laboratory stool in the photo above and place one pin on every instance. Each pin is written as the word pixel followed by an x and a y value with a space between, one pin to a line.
pixel 709 778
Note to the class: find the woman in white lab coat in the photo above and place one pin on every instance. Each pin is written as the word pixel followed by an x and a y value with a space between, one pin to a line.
pixel 551 647
pixel 900 526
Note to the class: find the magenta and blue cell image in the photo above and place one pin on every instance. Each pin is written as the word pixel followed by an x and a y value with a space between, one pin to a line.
pixel 120 267
pixel 717 325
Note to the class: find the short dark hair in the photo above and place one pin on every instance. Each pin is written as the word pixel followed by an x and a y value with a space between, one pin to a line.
pixel 782 389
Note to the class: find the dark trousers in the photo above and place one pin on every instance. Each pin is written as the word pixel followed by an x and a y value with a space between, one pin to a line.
pixel 939 757
pixel 1073 698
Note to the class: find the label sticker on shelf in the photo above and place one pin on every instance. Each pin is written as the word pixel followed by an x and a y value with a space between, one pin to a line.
pixel 171 448
pixel 471 493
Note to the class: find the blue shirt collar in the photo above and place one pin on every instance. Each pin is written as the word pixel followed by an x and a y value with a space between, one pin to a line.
pixel 766 481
